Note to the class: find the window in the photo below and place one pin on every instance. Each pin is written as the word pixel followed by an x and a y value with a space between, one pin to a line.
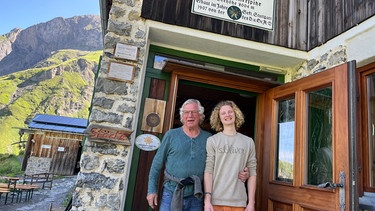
pixel 319 136
pixel 285 140
pixel 371 127
pixel 366 127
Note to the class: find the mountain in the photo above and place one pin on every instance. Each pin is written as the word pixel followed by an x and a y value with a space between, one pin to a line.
pixel 60 85
pixel 60 61
pixel 22 49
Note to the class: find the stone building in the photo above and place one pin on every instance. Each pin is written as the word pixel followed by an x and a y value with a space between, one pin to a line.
pixel 302 72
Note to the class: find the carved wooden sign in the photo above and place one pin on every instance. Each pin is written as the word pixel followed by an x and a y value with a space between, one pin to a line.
pixel 153 115
pixel 99 133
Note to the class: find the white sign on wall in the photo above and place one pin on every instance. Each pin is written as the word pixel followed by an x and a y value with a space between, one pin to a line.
pixel 44 146
pixel 255 13
pixel 61 149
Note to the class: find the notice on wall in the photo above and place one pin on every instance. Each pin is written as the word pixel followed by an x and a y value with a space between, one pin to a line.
pixel 44 146
pixel 61 149
pixel 259 14
pixel 124 51
pixel 121 71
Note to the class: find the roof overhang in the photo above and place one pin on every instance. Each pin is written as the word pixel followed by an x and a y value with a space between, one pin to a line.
pixel 33 130
pixel 268 57
pixel 265 56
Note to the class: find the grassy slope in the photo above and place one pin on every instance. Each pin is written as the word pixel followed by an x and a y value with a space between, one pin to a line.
pixel 51 96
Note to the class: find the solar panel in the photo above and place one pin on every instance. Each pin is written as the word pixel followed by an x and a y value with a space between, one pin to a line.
pixel 58 123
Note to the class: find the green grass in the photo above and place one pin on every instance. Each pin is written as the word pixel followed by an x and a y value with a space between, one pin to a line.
pixel 10 165
pixel 66 201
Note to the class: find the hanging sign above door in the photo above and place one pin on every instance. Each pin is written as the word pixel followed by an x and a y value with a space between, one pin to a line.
pixel 254 13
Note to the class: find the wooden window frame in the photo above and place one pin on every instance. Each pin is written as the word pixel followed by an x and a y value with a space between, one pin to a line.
pixel 362 111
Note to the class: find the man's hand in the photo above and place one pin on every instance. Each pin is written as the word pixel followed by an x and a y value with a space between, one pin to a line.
pixel 243 175
pixel 152 199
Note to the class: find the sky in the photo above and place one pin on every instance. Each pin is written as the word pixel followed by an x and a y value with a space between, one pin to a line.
pixel 25 13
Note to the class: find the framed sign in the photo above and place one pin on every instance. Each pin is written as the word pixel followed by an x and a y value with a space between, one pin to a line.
pixel 259 14
pixel 124 51
pixel 121 71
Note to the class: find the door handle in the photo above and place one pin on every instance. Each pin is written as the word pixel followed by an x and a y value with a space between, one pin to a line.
pixel 330 185
pixel 334 185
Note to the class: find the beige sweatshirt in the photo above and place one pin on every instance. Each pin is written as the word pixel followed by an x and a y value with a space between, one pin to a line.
pixel 226 156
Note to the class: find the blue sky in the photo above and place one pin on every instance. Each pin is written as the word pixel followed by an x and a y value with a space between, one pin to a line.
pixel 25 13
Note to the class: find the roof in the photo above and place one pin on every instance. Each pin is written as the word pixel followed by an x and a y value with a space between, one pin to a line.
pixel 58 123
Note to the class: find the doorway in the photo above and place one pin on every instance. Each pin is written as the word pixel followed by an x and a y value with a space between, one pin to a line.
pixel 177 83
pixel 209 96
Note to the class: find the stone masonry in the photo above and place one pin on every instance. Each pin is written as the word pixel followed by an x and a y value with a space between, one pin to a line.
pixel 101 183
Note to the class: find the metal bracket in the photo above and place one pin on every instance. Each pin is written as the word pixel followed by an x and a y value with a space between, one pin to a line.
pixel 342 191
pixel 337 185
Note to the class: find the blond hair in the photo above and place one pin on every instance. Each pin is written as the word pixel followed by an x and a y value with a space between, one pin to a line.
pixel 215 116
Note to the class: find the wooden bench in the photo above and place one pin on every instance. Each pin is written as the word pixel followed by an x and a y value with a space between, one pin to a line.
pixel 28 189
pixel 45 179
pixel 17 191
pixel 9 187
pixel 6 191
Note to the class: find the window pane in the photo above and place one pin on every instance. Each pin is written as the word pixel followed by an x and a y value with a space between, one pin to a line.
pixel 159 62
pixel 371 122
pixel 285 140
pixel 319 137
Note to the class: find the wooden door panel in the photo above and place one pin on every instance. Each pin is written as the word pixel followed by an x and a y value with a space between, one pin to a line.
pixel 299 192
pixel 277 205
pixel 157 89
pixel 306 197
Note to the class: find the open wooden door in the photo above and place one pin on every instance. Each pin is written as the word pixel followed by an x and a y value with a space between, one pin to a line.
pixel 306 146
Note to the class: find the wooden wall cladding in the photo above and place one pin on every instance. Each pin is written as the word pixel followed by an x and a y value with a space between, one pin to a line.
pixel 301 25
pixel 63 148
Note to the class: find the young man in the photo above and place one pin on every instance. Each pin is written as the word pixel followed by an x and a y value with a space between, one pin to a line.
pixel 229 150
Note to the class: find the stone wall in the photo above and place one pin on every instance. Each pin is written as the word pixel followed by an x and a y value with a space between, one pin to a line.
pixel 102 181
pixel 36 165
pixel 332 58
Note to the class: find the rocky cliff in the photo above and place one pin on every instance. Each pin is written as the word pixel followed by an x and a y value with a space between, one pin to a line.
pixel 22 49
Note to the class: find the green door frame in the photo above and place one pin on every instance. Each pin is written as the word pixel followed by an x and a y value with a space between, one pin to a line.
pixel 151 72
